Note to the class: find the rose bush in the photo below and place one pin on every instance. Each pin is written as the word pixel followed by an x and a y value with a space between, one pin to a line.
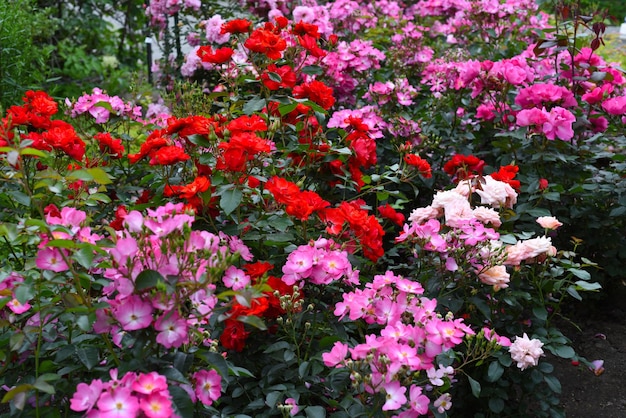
pixel 309 233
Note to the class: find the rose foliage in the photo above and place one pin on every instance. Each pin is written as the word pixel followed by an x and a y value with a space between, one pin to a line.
pixel 358 213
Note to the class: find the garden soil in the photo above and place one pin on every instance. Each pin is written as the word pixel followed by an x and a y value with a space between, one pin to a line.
pixel 602 336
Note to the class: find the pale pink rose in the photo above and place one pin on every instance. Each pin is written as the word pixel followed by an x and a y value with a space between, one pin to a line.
pixel 487 216
pixel 538 246
pixel 421 215
pixel 444 198
pixel 464 188
pixel 457 211
pixel 515 254
pixel 495 276
pixel 497 193
pixel 526 352
pixel 549 222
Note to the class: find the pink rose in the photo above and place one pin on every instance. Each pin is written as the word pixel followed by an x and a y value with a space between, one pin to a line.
pixel 549 222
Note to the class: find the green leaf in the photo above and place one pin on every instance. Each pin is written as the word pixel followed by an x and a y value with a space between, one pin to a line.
pixel 537 212
pixel 279 237
pixel 253 105
pixel 88 356
pixel 553 383
pixel 274 76
pixel 15 391
pixel 315 412
pixel 281 223
pixel 24 292
pixel 581 274
pixel 99 175
pixel 61 243
pixel 84 257
pixel 494 372
pixel 589 287
pixel 564 351
pixel 540 313
pixel 303 369
pixel 216 361
pixel 81 174
pixel 272 398
pixel 553 196
pixel 38 223
pixel 571 290
pixel 199 140
pixel 147 279
pixel 255 321
pixel 240 371
pixel 105 105
pixel 16 341
pixel 313 70
pixel 98 197
pixel 287 108
pixel 182 403
pixel 279 345
pixel 44 387
pixel 475 385
pixel 174 375
pixel 84 323
pixel 19 197
pixel 618 211
pixel 482 306
pixel 230 200
pixel 496 405
pixel 33 151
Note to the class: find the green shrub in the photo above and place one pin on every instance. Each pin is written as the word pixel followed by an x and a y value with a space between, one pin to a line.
pixel 21 59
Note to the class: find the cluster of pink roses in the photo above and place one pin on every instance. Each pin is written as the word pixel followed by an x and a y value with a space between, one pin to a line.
pixel 163 243
pixel 464 231
pixel 319 262
pixel 412 335
pixel 138 395
pixel 100 106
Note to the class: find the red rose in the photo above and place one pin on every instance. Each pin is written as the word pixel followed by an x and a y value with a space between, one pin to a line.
pixel 285 73
pixel 109 145
pixel 420 164
pixel 168 155
pixel 283 190
pixel 258 269
pixel 317 92
pixel 120 214
pixel 462 167
pixel 234 335
pixel 266 42
pixel 390 213
pixel 236 26
pixel 507 174
pixel 245 123
pixel 220 56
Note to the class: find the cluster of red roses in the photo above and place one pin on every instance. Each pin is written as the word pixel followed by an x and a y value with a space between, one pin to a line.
pixel 299 204
pixel 34 119
pixel 44 133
